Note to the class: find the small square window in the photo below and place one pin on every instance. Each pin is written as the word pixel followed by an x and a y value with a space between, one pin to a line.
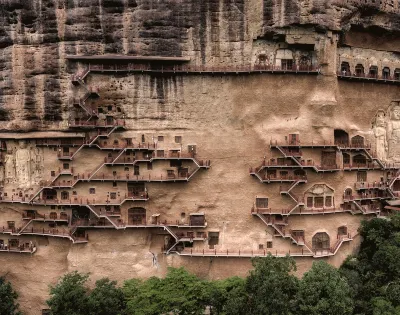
pixel 114 184
pixel 92 191
pixel 160 138
pixel 74 193
pixel 269 244
pixel 260 246
pixel 149 166
pixel 126 169
pixel 178 139
pixel 53 207
pixel 113 195
pixel 53 173
pixel 66 166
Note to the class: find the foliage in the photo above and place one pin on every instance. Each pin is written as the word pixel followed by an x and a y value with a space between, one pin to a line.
pixel 70 295
pixel 178 293
pixel 8 297
pixel 271 286
pixel 106 298
pixel 374 274
pixel 323 291
pixel 227 296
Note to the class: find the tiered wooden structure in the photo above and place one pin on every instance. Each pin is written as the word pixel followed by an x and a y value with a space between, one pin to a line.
pixel 100 214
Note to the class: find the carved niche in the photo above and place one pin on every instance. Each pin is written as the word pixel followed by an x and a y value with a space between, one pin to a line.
pixel 386 130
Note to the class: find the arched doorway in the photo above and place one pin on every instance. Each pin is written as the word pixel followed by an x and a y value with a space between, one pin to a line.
pixel 321 241
pixel 345 68
pixel 341 137
pixel 136 216
pixel 386 73
pixel 359 70
pixel 348 192
pixel 373 72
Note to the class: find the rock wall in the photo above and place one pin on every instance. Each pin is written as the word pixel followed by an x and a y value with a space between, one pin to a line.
pixel 231 115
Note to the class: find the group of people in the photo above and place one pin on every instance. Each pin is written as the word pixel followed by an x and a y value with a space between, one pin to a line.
pixel 21 247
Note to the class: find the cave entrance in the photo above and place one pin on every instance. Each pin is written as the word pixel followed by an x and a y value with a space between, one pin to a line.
pixel 345 68
pixel 137 216
pixel 396 185
pixel 397 74
pixel 320 241
pixel 359 70
pixel 373 72
pixel 386 73
pixel 49 194
pixel 341 137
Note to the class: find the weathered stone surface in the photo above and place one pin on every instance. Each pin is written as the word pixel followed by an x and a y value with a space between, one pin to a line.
pixel 231 116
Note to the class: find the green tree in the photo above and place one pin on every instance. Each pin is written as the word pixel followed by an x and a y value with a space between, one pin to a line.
pixel 374 273
pixel 380 306
pixel 106 298
pixel 8 297
pixel 236 297
pixel 227 296
pixel 323 291
pixel 142 297
pixel 180 292
pixel 183 292
pixel 271 287
pixel 70 295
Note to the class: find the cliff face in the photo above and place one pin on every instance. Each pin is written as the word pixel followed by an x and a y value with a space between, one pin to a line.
pixel 35 36
pixel 332 57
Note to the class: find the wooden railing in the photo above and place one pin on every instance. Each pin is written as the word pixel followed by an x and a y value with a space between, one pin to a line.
pixel 201 69
pixel 245 252
pixel 380 77
pixel 321 144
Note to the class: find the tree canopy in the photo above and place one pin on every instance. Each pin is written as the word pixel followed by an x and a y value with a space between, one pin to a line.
pixel 8 297
pixel 374 273
pixel 323 291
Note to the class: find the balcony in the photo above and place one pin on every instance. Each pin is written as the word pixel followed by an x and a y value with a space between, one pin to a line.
pixel 347 75
pixel 29 248
pixel 182 69
pixel 361 166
